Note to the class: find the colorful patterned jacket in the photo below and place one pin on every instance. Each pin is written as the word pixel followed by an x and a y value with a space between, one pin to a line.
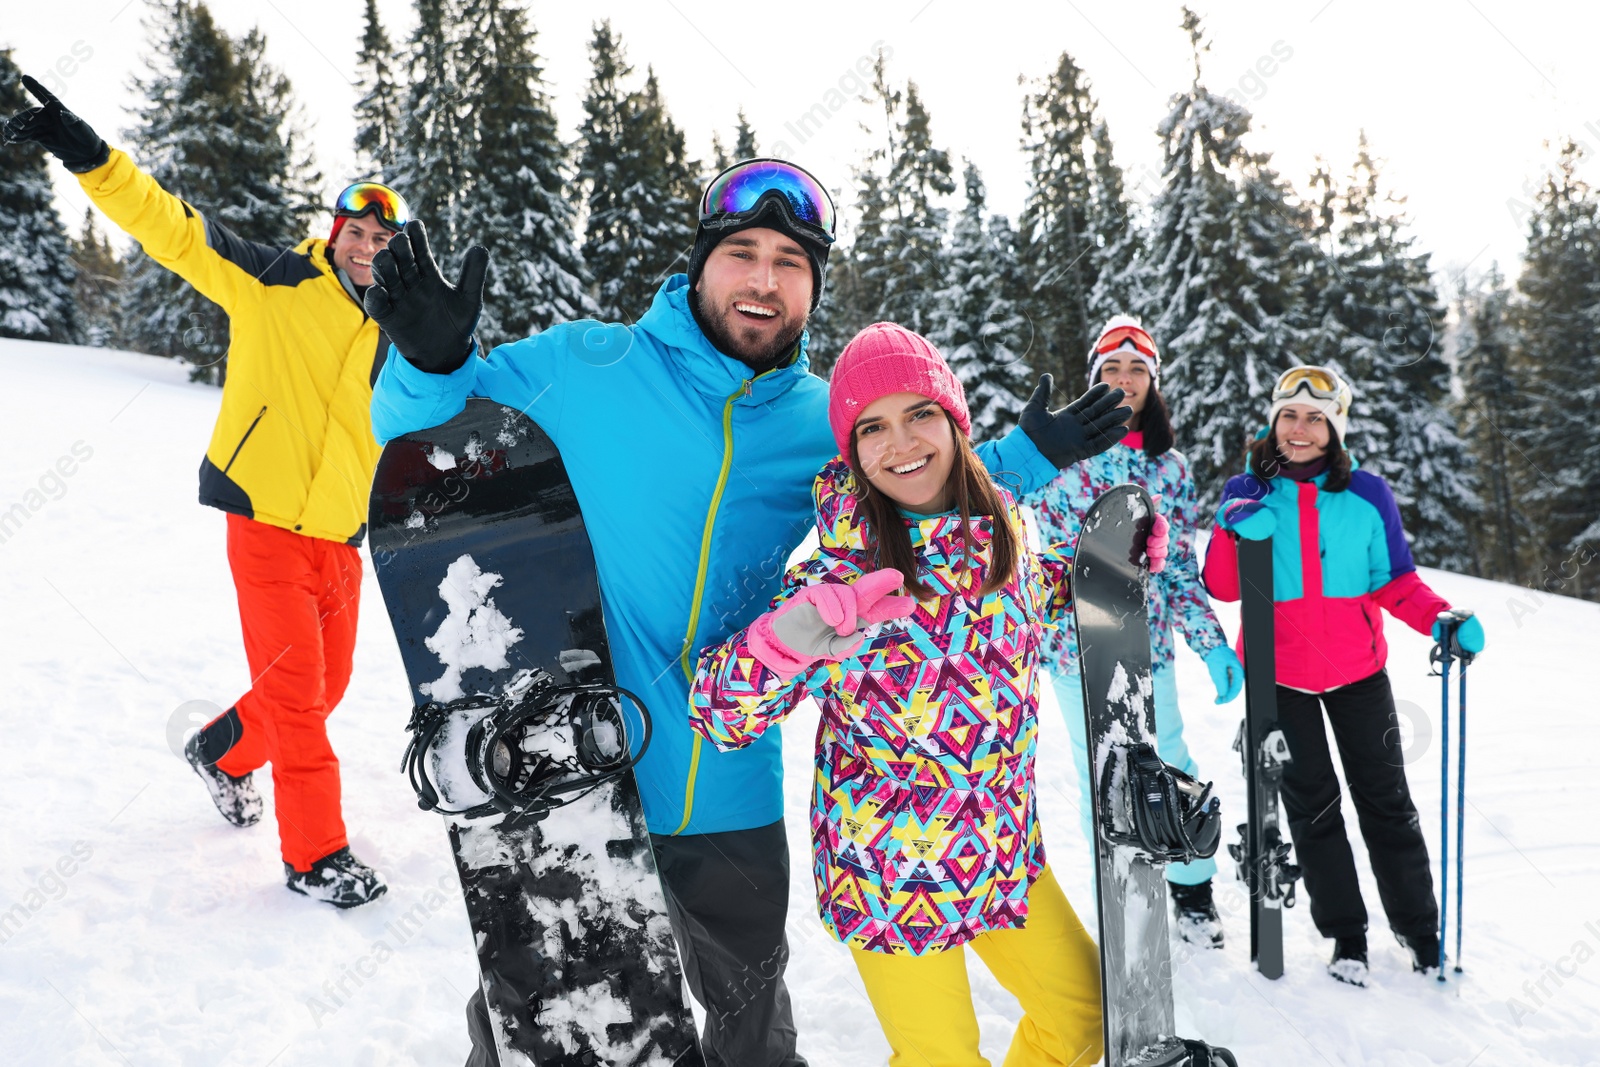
pixel 924 823
pixel 1177 596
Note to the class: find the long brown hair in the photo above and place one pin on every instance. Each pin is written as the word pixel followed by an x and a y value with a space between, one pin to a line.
pixel 1265 461
pixel 1156 423
pixel 888 533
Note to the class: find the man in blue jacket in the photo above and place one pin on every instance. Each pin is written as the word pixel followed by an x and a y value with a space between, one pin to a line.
pixel 692 438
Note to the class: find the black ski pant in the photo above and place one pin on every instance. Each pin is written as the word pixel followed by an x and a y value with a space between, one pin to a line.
pixel 1368 735
pixel 727 898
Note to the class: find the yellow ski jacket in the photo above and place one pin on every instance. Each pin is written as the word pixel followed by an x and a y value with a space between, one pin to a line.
pixel 293 444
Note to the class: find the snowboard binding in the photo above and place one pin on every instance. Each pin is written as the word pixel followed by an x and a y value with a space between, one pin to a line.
pixel 1188 1052
pixel 1160 810
pixel 540 748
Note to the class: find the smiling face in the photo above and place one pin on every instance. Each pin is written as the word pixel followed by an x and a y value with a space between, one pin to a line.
pixel 754 296
pixel 1132 376
pixel 358 241
pixel 905 444
pixel 1303 433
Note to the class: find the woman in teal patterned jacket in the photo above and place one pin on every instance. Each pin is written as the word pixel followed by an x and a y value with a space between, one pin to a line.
pixel 1125 356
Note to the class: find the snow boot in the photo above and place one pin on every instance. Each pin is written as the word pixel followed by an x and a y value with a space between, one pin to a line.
pixel 338 879
pixel 1197 919
pixel 1424 949
pixel 235 798
pixel 1349 963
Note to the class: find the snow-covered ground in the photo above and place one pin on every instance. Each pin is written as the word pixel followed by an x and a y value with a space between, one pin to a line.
pixel 137 928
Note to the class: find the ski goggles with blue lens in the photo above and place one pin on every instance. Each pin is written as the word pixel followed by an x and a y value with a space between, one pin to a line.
pixel 743 188
pixel 365 198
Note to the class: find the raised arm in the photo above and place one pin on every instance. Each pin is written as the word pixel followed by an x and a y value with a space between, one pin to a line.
pixel 758 675
pixel 222 266
pixel 1046 442
pixel 434 366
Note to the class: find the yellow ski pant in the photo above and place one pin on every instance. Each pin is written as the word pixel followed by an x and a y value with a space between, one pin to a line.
pixel 1051 966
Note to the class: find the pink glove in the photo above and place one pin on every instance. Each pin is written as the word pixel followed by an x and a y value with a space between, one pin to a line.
pixel 1155 548
pixel 824 622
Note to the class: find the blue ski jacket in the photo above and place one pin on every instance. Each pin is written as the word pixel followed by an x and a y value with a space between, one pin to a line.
pixel 694 476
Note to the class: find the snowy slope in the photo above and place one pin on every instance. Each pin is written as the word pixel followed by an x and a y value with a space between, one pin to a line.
pixel 137 928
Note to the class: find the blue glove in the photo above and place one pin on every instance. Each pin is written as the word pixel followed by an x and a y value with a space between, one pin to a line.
pixel 1248 518
pixel 1227 673
pixel 1468 632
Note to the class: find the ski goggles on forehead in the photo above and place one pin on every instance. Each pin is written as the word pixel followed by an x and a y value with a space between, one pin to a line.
pixel 741 188
pixel 1318 381
pixel 1122 335
pixel 371 198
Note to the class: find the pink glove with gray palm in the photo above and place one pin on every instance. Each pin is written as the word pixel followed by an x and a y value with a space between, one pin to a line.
pixel 1155 547
pixel 825 622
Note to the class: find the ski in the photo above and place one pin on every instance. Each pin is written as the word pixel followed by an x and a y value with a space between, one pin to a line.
pixel 1146 813
pixel 1262 853
pixel 521 738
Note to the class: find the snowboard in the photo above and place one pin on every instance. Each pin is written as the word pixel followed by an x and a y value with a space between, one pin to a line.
pixel 1262 854
pixel 1110 580
pixel 520 736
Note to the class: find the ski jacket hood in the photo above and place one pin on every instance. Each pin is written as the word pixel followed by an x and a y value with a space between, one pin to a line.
pixel 924 819
pixel 292 446
pixel 694 474
pixel 1337 559
pixel 671 322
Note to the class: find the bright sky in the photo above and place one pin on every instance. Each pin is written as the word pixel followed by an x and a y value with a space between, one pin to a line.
pixel 1460 97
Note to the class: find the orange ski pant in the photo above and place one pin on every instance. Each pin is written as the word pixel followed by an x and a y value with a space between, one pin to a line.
pixel 298 602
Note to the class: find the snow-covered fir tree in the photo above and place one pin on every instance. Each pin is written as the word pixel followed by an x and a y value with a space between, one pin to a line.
pixel 1492 415
pixel 1558 373
pixel 517 203
pixel 744 139
pixel 98 284
pixel 744 146
pixel 638 185
pixel 218 127
pixel 378 122
pixel 433 156
pixel 1217 283
pixel 897 253
pixel 1073 215
pixel 1375 313
pixel 978 328
pixel 37 298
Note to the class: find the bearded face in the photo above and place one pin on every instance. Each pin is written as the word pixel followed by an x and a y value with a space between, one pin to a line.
pixel 754 296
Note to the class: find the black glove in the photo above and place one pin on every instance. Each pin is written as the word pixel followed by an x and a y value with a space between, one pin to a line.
pixel 429 320
pixel 60 132
pixel 1086 427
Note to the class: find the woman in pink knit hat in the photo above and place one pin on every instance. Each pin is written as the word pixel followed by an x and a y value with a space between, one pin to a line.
pixel 925 825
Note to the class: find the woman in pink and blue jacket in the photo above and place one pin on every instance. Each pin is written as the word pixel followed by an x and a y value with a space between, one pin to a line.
pixel 1340 559
pixel 925 825
pixel 1125 356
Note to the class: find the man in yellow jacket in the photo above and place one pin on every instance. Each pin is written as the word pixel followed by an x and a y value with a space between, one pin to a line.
pixel 290 462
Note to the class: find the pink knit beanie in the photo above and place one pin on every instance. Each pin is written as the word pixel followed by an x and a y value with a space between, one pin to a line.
pixel 882 360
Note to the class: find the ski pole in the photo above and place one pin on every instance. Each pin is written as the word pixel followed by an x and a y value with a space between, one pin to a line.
pixel 1461 808
pixel 1444 799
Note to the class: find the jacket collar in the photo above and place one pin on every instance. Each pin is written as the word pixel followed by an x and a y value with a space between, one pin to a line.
pixel 671 323
pixel 1250 469
pixel 316 250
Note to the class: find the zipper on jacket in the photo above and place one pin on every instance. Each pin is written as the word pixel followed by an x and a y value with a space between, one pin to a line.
pixel 246 437
pixel 700 585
